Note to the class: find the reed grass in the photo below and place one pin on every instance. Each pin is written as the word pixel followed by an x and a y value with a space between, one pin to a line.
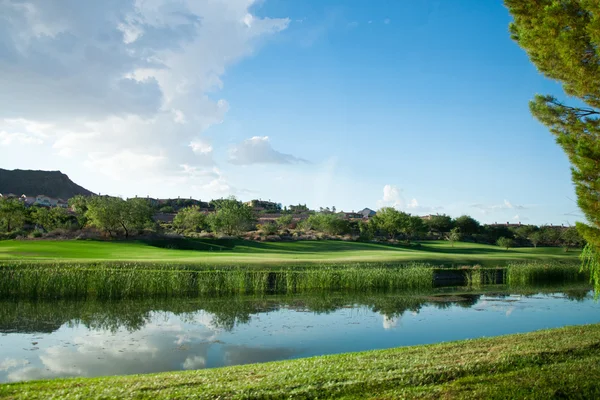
pixel 523 274
pixel 108 282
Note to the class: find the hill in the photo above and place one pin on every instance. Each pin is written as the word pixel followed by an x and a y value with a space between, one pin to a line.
pixel 33 183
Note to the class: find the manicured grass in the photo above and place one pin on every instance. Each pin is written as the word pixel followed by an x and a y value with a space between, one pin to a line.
pixel 246 252
pixel 557 363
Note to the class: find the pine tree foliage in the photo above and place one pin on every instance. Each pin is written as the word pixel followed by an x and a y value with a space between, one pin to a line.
pixel 562 39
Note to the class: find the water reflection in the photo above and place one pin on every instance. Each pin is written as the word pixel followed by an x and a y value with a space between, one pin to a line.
pixel 70 338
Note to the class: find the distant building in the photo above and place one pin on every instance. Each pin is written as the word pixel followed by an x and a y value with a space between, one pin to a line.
pixel 262 205
pixel 367 213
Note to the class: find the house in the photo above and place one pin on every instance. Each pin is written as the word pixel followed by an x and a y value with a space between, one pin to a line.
pixel 45 201
pixel 262 205
pixel 367 213
pixel 27 200
pixel 351 215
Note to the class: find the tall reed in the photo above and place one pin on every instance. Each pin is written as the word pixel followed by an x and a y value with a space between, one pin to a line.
pixel 521 274
pixel 138 280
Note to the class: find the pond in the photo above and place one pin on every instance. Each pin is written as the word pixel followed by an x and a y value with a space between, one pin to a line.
pixel 75 338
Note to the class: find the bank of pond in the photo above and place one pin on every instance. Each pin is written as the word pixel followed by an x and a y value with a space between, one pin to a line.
pixel 43 339
pixel 111 281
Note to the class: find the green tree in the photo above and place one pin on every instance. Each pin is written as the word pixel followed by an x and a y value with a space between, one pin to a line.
pixel 467 225
pixel 284 221
pixel 52 218
pixel 12 214
pixel 78 205
pixel 366 230
pixel 440 223
pixel 114 215
pixel 328 223
pixel 190 219
pixel 535 237
pixel 570 238
pixel 454 236
pixel 562 39
pixel 232 217
pixel 415 226
pixel 391 221
pixel 505 242
pixel 103 213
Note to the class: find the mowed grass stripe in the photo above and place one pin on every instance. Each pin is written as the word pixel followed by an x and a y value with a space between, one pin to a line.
pixel 514 366
pixel 246 252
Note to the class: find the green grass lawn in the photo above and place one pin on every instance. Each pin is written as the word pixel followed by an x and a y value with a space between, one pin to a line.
pixel 556 363
pixel 247 252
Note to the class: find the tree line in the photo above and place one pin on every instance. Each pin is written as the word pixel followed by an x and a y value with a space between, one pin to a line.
pixel 116 217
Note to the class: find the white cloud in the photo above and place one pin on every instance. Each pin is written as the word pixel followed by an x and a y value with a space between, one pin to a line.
pixel 392 197
pixel 258 150
pixel 10 363
pixel 124 87
pixel 506 205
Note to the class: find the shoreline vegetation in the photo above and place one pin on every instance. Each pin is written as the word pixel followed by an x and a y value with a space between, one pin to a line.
pixel 102 270
pixel 511 366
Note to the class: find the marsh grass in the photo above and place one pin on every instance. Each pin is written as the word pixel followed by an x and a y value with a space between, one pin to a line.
pixel 523 274
pixel 99 281
pixel 109 281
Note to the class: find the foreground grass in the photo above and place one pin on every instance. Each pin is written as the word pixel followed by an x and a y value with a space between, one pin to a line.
pixel 246 252
pixel 557 363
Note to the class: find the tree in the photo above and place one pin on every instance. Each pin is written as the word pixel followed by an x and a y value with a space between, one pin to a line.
pixel 571 238
pixel 415 226
pixel 505 242
pixel 440 223
pixel 467 225
pixel 535 237
pixel 454 236
pixel 328 223
pixel 284 221
pixel 232 217
pixel 391 221
pixel 12 214
pixel 52 218
pixel 102 212
pixel 562 40
pixel 78 205
pixel 113 214
pixel 190 219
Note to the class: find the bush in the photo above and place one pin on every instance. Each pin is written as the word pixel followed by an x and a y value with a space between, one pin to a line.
pixel 267 229
pixel 36 234
pixel 505 242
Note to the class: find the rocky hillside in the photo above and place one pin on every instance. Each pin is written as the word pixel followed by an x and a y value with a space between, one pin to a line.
pixel 32 183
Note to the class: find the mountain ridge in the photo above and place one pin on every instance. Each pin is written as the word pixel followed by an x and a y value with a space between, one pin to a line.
pixel 38 182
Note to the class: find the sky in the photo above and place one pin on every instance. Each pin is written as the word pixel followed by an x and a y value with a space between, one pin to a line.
pixel 419 105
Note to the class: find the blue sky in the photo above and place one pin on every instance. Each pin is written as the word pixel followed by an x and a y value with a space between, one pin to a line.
pixel 421 105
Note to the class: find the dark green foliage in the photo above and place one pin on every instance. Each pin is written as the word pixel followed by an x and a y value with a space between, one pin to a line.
pixel 12 214
pixel 190 219
pixel 440 223
pixel 328 223
pixel 562 39
pixel 52 218
pixel 505 242
pixel 571 238
pixel 115 215
pixel 390 221
pixel 454 236
pixel 467 225
pixel 232 217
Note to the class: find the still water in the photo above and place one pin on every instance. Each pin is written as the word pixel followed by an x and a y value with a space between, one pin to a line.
pixel 61 339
